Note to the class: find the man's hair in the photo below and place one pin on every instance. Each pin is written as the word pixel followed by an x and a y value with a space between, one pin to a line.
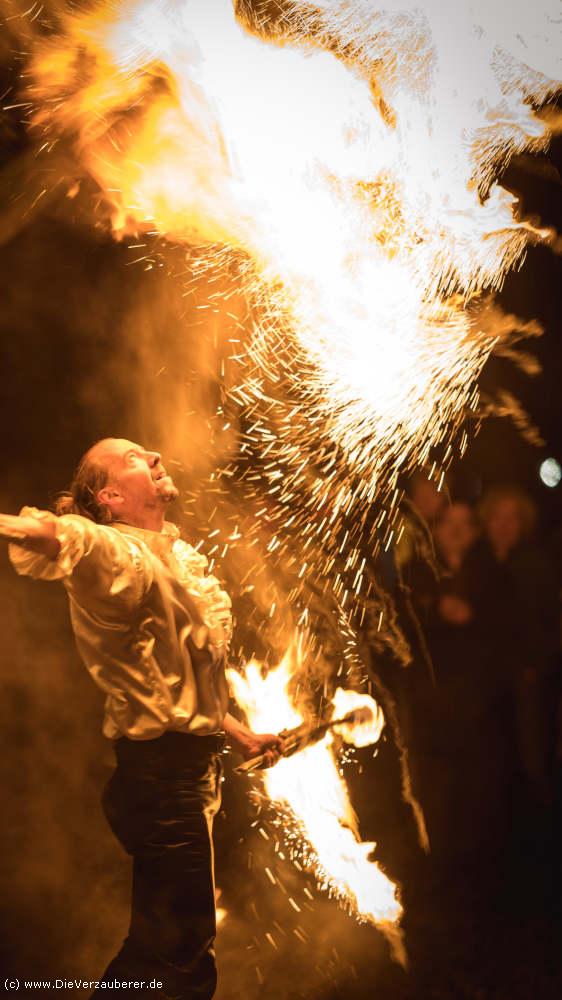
pixel 81 498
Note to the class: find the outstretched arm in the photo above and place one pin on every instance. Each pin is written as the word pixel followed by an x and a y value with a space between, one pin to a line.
pixel 46 547
pixel 30 533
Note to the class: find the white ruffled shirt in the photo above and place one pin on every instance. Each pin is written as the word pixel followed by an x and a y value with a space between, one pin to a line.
pixel 151 625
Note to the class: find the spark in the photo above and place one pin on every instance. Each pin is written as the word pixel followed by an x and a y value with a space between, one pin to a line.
pixel 319 824
pixel 344 164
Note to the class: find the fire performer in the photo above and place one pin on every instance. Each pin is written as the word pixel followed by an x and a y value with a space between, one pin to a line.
pixel 153 630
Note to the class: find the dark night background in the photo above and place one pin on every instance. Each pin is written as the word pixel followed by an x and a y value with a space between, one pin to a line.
pixel 93 346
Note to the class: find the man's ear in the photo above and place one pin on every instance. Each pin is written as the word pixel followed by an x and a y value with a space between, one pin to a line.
pixel 108 495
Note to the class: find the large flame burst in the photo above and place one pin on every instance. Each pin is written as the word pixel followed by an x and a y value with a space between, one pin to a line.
pixel 344 159
pixel 348 162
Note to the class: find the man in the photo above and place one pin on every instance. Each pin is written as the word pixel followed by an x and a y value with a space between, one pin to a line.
pixel 153 630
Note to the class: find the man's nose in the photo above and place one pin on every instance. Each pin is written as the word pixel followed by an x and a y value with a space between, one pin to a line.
pixel 154 457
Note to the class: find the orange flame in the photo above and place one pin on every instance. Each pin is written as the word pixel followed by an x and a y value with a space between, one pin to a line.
pixel 356 164
pixel 364 184
pixel 310 786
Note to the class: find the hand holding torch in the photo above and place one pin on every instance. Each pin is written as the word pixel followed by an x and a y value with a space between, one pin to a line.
pixel 305 735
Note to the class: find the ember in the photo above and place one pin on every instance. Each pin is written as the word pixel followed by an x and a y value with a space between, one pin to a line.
pixel 322 827
pixel 363 210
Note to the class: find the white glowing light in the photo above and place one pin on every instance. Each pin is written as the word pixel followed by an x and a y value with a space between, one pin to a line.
pixel 310 785
pixel 355 167
pixel 550 472
pixel 362 187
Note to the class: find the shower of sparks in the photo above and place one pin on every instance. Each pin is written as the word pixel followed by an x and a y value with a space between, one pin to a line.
pixel 341 163
pixel 325 837
pixel 348 162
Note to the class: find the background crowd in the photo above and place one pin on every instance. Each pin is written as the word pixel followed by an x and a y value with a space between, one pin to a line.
pixel 480 705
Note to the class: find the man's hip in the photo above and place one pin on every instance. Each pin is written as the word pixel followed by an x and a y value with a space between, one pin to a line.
pixel 160 803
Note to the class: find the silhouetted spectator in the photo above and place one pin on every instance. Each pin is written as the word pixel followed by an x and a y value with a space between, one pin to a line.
pixel 458 746
pixel 513 591
pixel 426 502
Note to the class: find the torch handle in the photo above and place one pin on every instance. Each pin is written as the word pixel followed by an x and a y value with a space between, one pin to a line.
pixel 255 764
pixel 295 739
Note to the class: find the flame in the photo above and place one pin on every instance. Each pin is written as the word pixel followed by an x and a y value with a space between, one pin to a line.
pixel 365 731
pixel 221 913
pixel 348 158
pixel 325 834
pixel 360 180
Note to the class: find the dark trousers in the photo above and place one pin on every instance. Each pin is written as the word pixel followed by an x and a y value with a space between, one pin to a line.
pixel 160 803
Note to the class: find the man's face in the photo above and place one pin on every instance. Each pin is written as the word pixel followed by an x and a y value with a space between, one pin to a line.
pixel 136 474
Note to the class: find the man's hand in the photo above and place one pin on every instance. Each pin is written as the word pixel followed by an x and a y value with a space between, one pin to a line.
pixel 250 744
pixel 30 533
pixel 263 743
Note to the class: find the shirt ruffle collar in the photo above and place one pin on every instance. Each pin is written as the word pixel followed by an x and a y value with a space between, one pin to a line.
pixel 158 541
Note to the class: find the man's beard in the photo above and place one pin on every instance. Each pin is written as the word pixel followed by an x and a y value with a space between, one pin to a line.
pixel 167 490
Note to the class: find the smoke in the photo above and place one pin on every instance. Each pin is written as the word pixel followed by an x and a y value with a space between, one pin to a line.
pixel 95 345
pixel 137 339
pixel 59 913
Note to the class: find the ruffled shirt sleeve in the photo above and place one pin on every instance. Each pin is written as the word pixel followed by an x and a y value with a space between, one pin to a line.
pixel 90 554
pixel 71 538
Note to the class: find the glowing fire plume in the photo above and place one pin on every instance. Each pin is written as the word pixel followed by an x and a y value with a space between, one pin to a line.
pixel 325 834
pixel 365 184
pixel 347 158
